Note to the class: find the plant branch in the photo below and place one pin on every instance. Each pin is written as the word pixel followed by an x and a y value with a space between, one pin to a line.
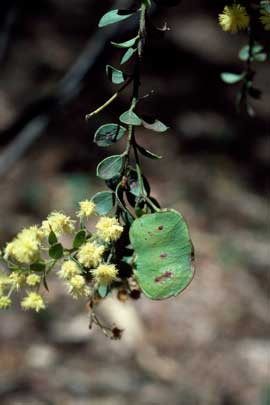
pixel 109 101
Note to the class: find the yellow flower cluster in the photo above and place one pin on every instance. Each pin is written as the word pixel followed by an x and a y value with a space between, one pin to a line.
pixel 87 208
pixel 105 274
pixel 4 282
pixel 109 229
pixel 68 270
pixel 33 301
pixel 33 279
pixel 77 287
pixel 23 255
pixel 59 223
pixel 17 280
pixel 90 254
pixel 234 18
pixel 5 302
pixel 25 248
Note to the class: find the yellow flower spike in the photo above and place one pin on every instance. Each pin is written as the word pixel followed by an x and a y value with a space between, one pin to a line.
pixel 234 18
pixel 59 223
pixel 105 274
pixel 87 208
pixel 33 301
pixel 90 254
pixel 68 269
pixel 32 280
pixel 5 302
pixel 109 229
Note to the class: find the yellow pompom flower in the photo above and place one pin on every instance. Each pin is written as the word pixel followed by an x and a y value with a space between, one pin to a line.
pixel 105 274
pixel 59 223
pixel 33 301
pixel 68 270
pixel 109 229
pixel 25 248
pixel 77 287
pixel 5 302
pixel 32 280
pixel 90 254
pixel 234 18
pixel 87 208
pixel 17 280
pixel 265 17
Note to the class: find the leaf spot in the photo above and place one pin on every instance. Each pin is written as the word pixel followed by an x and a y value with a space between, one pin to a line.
pixel 163 276
pixel 160 227
pixel 163 255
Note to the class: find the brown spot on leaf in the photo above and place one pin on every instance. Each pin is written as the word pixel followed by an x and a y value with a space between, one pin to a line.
pixel 163 255
pixel 163 276
pixel 160 227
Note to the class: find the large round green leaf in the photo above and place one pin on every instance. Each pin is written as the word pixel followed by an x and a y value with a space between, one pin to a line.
pixel 164 254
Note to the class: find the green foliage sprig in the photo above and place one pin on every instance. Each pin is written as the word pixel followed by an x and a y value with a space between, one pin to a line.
pixel 136 246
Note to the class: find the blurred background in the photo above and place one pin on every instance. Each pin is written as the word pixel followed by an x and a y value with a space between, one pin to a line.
pixel 210 345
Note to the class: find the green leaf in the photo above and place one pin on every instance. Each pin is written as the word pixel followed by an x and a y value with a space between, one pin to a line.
pixel 164 254
pixel 260 57
pixel 147 153
pixel 104 201
pixel 38 267
pixel 126 44
pixel 154 124
pixel 133 184
pixel 56 251
pixel 110 167
pixel 52 238
pixel 128 55
pixel 130 118
pixel 116 76
pixel 114 16
pixel 79 239
pixel 102 291
pixel 231 78
pixel 244 52
pixel 108 134
pixel 265 5
pixel 121 203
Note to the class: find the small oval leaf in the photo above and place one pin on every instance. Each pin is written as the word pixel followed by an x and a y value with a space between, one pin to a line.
pixel 126 44
pixel 116 76
pixel 108 134
pixel 153 124
pixel 128 55
pixel 104 201
pixel 102 291
pixel 114 16
pixel 231 78
pixel 38 267
pixel 52 238
pixel 110 167
pixel 130 118
pixel 56 251
pixel 79 239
